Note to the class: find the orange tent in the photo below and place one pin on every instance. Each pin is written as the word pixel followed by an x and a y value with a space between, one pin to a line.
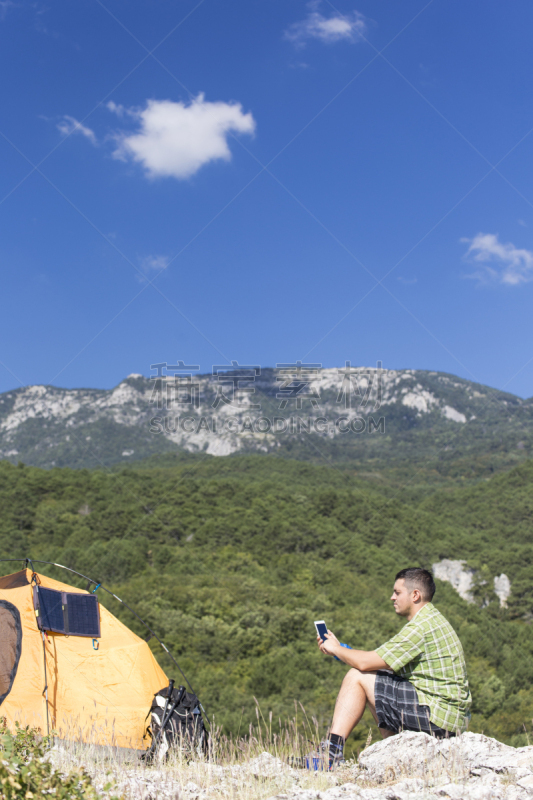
pixel 94 695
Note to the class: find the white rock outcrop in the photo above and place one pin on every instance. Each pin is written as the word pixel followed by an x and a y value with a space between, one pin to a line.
pixel 417 755
pixel 461 578
pixel 453 414
pixel 415 766
pixel 502 587
pixel 458 574
pixel 420 400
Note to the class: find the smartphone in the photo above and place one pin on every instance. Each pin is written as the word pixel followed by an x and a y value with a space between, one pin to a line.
pixel 321 628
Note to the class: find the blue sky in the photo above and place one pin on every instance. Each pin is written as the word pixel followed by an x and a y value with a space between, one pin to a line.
pixel 275 180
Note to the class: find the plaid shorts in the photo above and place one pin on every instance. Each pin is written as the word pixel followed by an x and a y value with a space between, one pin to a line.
pixel 398 709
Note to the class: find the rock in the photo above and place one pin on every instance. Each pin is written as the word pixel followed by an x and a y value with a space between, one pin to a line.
pixel 300 794
pixel 404 789
pixel 344 790
pixel 410 766
pixel 472 766
pixel 192 788
pixel 502 587
pixel 458 574
pixel 420 755
pixel 526 783
pixel 454 791
pixel 266 765
pixel 409 755
pixel 461 578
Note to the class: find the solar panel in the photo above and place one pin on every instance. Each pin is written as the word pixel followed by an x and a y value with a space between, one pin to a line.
pixel 50 606
pixel 67 612
pixel 83 616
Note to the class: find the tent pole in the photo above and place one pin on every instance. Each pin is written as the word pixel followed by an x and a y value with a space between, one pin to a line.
pixel 45 690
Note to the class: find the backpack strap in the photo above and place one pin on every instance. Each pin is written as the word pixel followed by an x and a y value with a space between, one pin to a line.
pixel 158 735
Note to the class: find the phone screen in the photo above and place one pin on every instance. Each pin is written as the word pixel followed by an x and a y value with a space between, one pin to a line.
pixel 321 628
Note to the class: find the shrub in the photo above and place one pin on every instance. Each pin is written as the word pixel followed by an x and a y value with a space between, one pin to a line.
pixel 26 773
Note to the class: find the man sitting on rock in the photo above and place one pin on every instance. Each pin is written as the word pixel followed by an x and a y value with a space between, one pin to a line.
pixel 425 689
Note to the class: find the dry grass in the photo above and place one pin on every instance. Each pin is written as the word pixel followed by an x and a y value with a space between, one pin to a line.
pixel 251 767
pixel 257 766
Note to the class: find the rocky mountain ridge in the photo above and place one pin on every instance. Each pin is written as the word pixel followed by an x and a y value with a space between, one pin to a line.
pixel 338 414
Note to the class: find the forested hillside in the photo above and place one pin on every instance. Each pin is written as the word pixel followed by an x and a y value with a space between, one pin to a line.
pixel 231 560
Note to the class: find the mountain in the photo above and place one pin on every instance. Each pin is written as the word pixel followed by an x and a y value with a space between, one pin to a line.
pixel 388 424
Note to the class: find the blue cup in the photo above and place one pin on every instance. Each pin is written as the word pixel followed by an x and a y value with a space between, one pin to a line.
pixel 343 645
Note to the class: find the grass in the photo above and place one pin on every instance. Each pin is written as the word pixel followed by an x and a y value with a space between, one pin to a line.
pixel 254 766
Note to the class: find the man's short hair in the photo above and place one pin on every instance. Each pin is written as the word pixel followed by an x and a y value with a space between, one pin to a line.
pixel 418 578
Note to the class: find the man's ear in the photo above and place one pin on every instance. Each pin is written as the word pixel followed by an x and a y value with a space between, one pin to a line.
pixel 417 595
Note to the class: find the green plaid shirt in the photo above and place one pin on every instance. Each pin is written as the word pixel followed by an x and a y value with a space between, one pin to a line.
pixel 427 652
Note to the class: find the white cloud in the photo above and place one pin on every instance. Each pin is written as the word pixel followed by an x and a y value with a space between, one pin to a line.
pixel 70 125
pixel 155 262
pixel 329 30
pixel 4 6
pixel 407 281
pixel 175 140
pixel 151 264
pixel 120 110
pixel 500 262
pixel 116 108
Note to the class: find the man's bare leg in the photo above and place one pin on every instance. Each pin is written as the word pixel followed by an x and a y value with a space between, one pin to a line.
pixel 357 690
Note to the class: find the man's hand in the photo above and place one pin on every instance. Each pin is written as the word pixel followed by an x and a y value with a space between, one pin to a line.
pixel 363 660
pixel 329 645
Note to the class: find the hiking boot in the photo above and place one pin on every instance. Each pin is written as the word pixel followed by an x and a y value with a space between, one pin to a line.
pixel 331 756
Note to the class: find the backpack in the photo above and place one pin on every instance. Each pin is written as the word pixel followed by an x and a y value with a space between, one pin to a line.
pixel 176 721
